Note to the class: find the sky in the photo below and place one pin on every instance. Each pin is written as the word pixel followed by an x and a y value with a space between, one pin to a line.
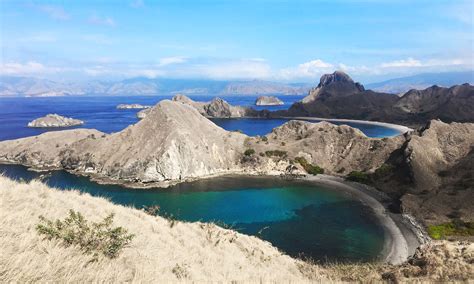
pixel 291 41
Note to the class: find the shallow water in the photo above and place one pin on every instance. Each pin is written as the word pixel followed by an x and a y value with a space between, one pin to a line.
pixel 298 217
pixel 101 113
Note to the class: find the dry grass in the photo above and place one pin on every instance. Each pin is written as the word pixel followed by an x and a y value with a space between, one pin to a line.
pixel 178 251
pixel 184 251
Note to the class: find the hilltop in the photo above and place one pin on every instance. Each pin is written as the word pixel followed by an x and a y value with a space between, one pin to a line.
pixel 338 96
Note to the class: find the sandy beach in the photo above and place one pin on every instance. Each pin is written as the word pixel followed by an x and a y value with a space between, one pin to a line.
pixel 402 237
pixel 402 129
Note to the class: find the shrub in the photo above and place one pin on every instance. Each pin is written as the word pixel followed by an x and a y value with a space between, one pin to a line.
pixel 455 228
pixel 308 167
pixel 358 177
pixel 264 138
pixel 283 143
pixel 249 152
pixel 91 238
pixel 277 153
pixel 384 170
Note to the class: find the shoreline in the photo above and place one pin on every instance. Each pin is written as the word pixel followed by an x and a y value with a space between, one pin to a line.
pixel 401 128
pixel 403 234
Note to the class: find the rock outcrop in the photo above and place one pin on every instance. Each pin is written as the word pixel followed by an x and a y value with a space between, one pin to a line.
pixel 338 96
pixel 337 149
pixel 132 106
pixel 268 101
pixel 141 114
pixel 432 173
pixel 55 120
pixel 217 108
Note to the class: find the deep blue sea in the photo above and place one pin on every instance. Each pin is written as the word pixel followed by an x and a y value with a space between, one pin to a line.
pixel 101 113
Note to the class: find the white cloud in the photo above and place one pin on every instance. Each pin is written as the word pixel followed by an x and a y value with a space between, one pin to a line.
pixel 55 12
pixel 310 69
pixel 103 21
pixel 409 62
pixel 28 68
pixel 172 60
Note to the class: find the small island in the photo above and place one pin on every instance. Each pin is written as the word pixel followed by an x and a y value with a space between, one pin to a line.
pixel 268 101
pixel 55 120
pixel 132 106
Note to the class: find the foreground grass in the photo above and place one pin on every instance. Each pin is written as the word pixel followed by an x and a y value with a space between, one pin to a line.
pixel 167 250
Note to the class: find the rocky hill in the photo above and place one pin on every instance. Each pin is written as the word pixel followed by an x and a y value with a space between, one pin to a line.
pixel 338 96
pixel 173 142
pixel 432 173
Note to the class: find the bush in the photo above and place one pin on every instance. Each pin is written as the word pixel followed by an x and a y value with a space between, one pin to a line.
pixel 358 177
pixel 264 138
pixel 277 153
pixel 455 228
pixel 91 238
pixel 309 168
pixel 249 152
pixel 384 170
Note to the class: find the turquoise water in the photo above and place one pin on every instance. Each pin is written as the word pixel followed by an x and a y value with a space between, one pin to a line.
pixel 299 218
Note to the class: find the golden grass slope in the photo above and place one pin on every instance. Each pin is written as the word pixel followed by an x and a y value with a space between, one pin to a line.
pixel 185 251
pixel 167 251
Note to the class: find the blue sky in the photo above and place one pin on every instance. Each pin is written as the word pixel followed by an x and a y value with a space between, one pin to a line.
pixel 272 40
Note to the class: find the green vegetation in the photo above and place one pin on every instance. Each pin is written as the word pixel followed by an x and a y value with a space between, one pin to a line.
pixel 384 170
pixel 264 138
pixel 276 153
pixel 308 167
pixel 455 228
pixel 249 152
pixel 91 238
pixel 358 177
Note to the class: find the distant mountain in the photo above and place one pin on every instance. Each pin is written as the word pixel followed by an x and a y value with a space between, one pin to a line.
pixel 338 96
pixel 26 86
pixel 422 81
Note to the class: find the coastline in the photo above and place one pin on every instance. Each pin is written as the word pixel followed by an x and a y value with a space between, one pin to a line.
pixel 403 234
pixel 401 128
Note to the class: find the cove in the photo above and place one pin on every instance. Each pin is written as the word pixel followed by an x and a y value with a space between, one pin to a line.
pixel 298 217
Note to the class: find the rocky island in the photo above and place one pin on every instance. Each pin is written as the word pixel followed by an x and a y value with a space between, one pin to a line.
pixel 55 120
pixel 268 101
pixel 132 106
